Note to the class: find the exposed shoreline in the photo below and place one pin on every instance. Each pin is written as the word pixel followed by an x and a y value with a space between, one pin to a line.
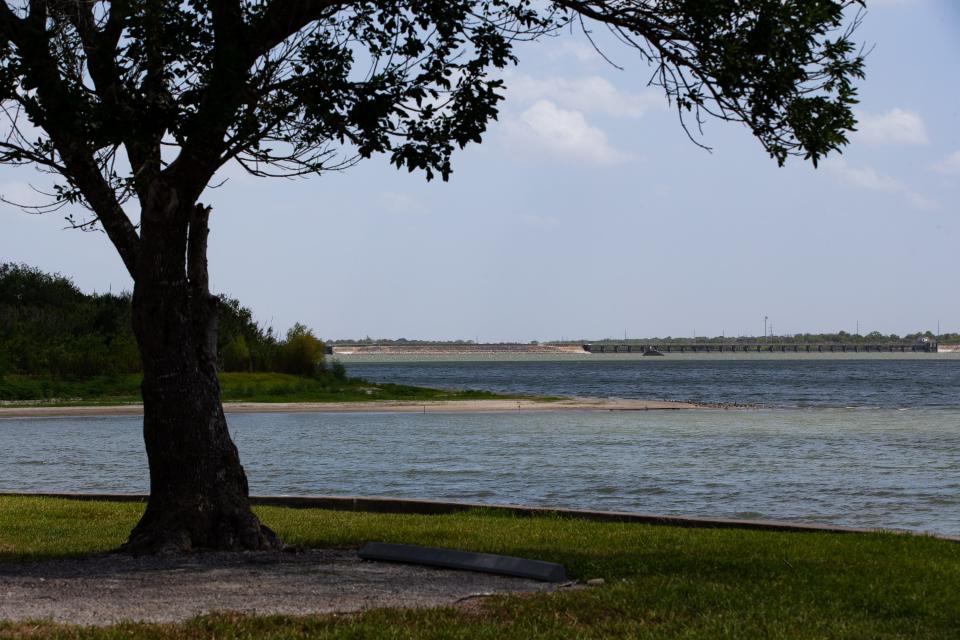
pixel 387 406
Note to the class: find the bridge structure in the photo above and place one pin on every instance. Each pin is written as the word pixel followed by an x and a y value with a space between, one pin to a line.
pixel 763 347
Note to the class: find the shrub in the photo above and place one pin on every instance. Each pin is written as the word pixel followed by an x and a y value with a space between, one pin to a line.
pixel 236 355
pixel 302 352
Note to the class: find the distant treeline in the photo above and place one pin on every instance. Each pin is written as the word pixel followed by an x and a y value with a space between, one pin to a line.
pixel 49 327
pixel 398 341
pixel 841 337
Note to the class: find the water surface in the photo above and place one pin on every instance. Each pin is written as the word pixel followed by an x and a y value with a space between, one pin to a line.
pixel 860 467
pixel 879 380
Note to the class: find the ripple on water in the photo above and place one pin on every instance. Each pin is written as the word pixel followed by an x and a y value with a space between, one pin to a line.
pixel 863 468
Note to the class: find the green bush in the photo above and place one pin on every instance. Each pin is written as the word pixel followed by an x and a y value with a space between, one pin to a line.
pixel 236 355
pixel 302 352
pixel 48 327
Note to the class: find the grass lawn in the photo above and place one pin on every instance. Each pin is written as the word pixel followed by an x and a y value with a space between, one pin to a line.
pixel 235 387
pixel 661 582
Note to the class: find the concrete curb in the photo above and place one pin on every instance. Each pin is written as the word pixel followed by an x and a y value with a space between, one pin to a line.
pixel 377 504
pixel 464 561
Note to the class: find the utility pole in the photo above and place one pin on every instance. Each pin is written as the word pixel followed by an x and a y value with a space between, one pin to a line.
pixel 764 327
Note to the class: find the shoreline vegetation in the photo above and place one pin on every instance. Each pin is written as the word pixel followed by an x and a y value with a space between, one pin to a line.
pixel 650 581
pixel 48 327
pixel 119 395
pixel 244 388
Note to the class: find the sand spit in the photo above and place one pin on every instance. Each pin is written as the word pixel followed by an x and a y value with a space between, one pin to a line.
pixel 387 406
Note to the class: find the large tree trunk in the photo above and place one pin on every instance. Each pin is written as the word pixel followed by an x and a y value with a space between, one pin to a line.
pixel 198 488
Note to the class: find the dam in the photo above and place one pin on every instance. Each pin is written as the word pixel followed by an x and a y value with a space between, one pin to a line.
pixel 506 348
pixel 763 347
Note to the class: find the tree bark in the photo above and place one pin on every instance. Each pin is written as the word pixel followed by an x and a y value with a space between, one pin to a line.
pixel 198 488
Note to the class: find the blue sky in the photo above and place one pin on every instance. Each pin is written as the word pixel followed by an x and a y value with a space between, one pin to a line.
pixel 587 212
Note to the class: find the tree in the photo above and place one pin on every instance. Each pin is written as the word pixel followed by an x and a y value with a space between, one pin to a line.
pixel 137 103
pixel 235 356
pixel 302 352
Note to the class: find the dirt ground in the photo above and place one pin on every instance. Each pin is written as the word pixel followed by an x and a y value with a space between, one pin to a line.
pixel 106 589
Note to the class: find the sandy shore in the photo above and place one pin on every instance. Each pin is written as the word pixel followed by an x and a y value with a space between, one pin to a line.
pixel 390 406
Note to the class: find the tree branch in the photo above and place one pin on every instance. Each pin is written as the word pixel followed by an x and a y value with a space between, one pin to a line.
pixel 61 121
pixel 237 46
pixel 100 47
pixel 282 19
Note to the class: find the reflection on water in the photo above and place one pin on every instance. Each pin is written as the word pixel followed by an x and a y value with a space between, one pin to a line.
pixel 863 467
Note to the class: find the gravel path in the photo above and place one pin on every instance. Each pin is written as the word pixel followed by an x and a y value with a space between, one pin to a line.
pixel 106 589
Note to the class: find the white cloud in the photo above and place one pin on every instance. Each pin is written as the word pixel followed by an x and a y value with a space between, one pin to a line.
pixel 950 165
pixel 564 132
pixel 554 115
pixel 535 220
pixel 577 49
pixel 402 204
pixel 920 201
pixel 868 178
pixel 897 126
pixel 862 177
pixel 588 94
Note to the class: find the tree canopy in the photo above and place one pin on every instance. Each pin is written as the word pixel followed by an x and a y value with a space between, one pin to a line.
pixel 48 327
pixel 112 96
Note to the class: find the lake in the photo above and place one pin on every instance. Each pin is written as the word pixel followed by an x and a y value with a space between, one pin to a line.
pixel 872 443
pixel 816 380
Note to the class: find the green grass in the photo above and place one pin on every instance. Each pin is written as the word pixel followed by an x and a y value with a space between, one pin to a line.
pixel 278 387
pixel 235 387
pixel 114 389
pixel 661 582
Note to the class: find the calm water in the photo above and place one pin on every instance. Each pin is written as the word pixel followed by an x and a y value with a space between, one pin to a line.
pixel 924 381
pixel 857 442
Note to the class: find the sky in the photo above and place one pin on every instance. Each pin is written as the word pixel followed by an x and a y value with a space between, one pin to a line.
pixel 587 213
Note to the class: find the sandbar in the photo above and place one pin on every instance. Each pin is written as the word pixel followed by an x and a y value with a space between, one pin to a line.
pixel 387 406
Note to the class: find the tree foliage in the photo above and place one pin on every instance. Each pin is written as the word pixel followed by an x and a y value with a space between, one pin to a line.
pixel 49 327
pixel 114 96
pixel 301 353
pixel 783 68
